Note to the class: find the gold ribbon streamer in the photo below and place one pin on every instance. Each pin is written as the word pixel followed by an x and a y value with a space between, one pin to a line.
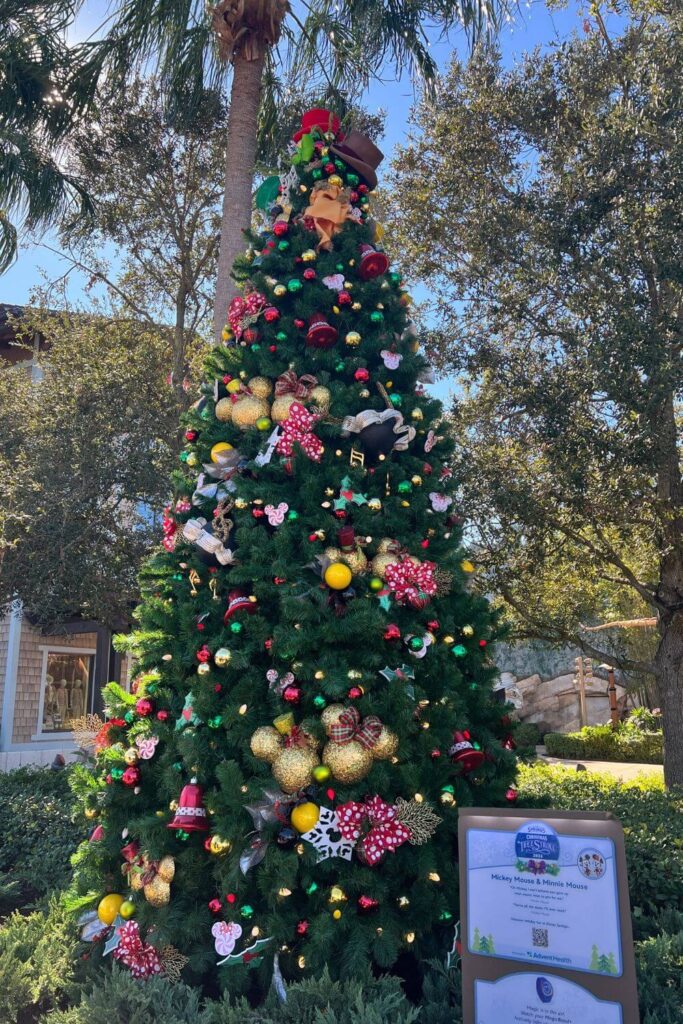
pixel 329 209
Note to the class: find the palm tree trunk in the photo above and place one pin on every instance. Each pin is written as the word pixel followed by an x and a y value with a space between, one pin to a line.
pixel 239 176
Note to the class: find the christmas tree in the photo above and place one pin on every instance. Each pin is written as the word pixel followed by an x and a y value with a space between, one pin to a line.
pixel 314 690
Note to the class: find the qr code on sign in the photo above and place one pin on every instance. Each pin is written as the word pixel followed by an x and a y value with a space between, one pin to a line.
pixel 540 937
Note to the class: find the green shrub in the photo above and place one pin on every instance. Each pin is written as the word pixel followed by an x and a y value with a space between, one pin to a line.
pixel 646 719
pixel 37 962
pixel 118 998
pixel 602 743
pixel 652 819
pixel 659 962
pixel 527 738
pixel 37 833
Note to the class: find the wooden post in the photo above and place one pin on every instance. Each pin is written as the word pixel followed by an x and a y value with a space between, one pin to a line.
pixel 582 692
pixel 612 694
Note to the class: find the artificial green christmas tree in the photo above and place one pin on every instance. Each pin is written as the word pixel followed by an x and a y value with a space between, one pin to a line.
pixel 314 702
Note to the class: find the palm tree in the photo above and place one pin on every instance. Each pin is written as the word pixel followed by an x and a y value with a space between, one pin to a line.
pixel 344 43
pixel 45 85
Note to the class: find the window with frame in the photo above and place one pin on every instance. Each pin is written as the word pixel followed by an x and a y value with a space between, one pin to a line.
pixel 67 679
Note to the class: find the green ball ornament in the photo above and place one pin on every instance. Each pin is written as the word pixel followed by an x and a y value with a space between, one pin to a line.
pixel 281 336
pixel 177 576
pixel 377 316
pixel 405 487
pixel 321 773
pixel 445 915
pixel 129 717
pixel 352 179
pixel 340 165
pixel 316 174
pixel 116 773
pixel 295 285
pixel 340 367
pixel 215 722
pixel 376 583
pixel 364 201
pixel 340 267
pixel 319 702
pixel 247 911
pixel 415 643
pixel 459 650
pixel 182 835
pixel 283 246
pixel 292 515
pixel 394 277
pixel 236 627
pixel 263 423
pixel 395 400
pixel 312 888
pixel 177 766
pixel 183 456
pixel 255 347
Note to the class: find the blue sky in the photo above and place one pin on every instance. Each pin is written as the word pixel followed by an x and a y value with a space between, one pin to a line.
pixel 532 26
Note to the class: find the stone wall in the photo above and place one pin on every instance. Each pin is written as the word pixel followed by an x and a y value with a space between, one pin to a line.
pixel 554 704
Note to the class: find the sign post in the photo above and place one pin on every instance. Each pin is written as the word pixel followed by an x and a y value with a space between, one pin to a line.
pixel 545 918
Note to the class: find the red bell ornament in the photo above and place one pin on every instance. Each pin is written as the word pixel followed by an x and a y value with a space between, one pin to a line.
pixel 463 753
pixel 321 334
pixel 372 263
pixel 191 814
pixel 238 601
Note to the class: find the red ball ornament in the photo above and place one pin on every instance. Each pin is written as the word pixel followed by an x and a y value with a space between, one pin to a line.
pixel 329 169
pixel 131 776
pixel 482 643
pixel 330 793
pixel 280 228
pixel 356 692
pixel 217 688
pixel 511 795
pixel 162 715
pixel 353 196
pixel 279 580
pixel 257 513
pixel 144 707
pixel 302 927
pixel 201 627
pixel 272 348
pixel 309 274
pixel 435 754
pixel 299 323
pixel 312 537
pixel 366 904
pixel 215 906
pixel 427 469
pixel 292 694
pixel 207 844
pixel 344 298
pixel 363 189
pixel 433 625
pixel 509 743
pixel 362 374
pixel 424 543
pixel 204 654
pixel 270 244
pixel 230 897
pixel 340 513
pixel 191 435
pixel 268 644
pixel 271 314
pixel 250 336
pixel 392 632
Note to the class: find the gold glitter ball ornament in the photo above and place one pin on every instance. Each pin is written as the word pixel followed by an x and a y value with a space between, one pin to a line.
pixel 375 505
pixel 261 387
pixel 247 411
pixel 321 397
pixel 222 657
pixel 381 563
pixel 280 408
pixel 131 756
pixel 158 892
pixel 348 762
pixel 309 255
pixel 386 746
pixel 293 769
pixel 224 410
pixel 266 743
pixel 279 290
pixel 330 715
pixel 353 339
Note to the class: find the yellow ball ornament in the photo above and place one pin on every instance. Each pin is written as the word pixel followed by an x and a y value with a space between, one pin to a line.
pixel 305 816
pixel 353 339
pixel 127 910
pixel 220 450
pixel 108 907
pixel 279 290
pixel 338 576
pixel 466 565
pixel 219 846
pixel 334 179
pixel 234 386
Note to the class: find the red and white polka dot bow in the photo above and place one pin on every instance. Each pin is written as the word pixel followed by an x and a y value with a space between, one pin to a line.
pixel 297 429
pixel 412 583
pixel 244 310
pixel 141 959
pixel 385 833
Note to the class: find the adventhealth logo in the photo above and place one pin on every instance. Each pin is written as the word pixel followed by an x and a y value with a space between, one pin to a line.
pixel 537 841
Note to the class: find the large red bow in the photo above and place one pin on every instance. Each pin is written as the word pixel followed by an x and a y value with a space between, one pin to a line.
pixel 349 727
pixel 412 583
pixel 244 311
pixel 142 960
pixel 385 833
pixel 297 429
pixel 289 384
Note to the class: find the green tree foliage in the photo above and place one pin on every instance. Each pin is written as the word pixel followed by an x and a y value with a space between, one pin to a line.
pixel 551 197
pixel 88 449
pixel 206 663
pixel 45 85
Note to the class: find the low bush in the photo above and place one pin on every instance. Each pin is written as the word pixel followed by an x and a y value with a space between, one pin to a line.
pixel 652 819
pixel 527 738
pixel 37 834
pixel 602 743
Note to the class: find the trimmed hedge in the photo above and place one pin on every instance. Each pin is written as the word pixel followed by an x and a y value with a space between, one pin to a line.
pixel 37 834
pixel 602 743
